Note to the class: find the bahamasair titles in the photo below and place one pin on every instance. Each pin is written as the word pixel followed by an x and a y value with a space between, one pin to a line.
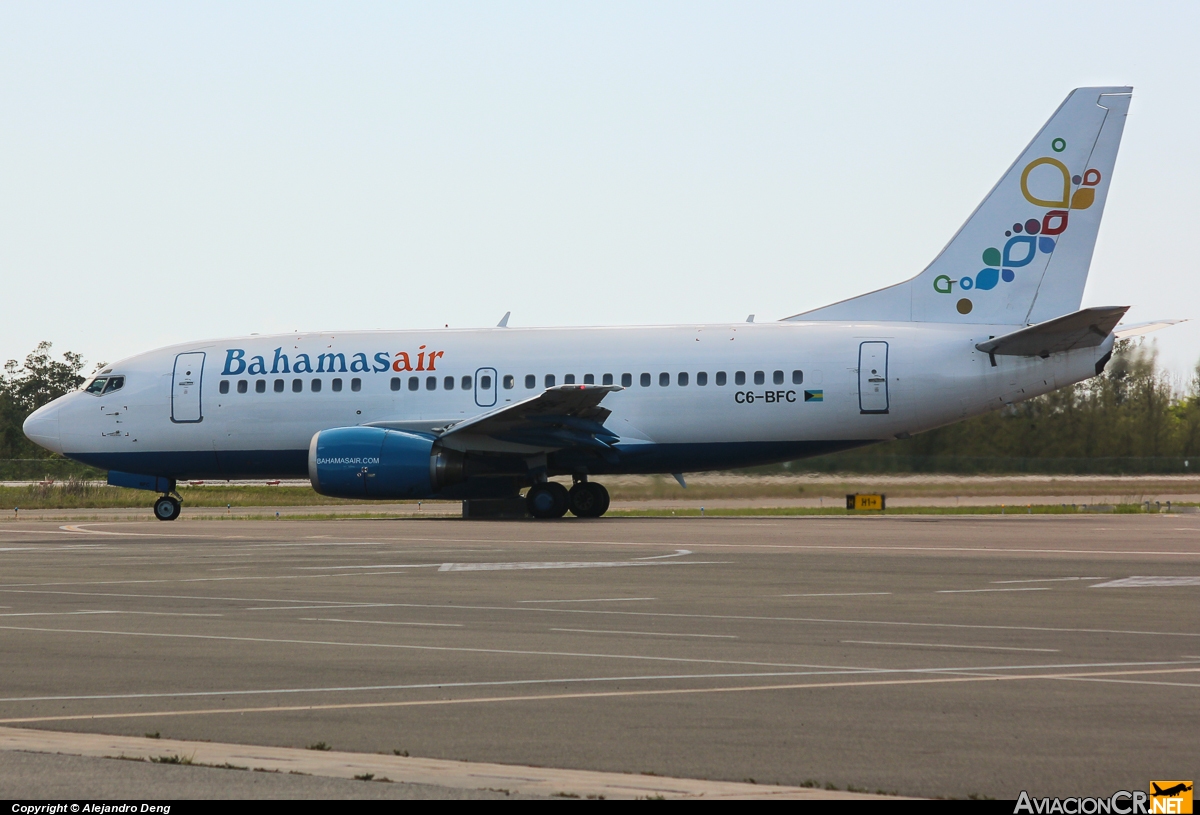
pixel 487 414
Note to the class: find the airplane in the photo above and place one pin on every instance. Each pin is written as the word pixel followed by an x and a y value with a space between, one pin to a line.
pixel 482 414
pixel 1170 792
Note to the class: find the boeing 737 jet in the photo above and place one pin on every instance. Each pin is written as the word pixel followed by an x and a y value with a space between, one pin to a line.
pixel 487 413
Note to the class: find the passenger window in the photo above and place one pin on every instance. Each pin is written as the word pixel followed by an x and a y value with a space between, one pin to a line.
pixel 759 377
pixel 664 379
pixel 356 384
pixel 448 383
pixel 242 386
pixel 316 386
pixel 549 380
pixel 626 380
pixel 702 378
pixel 530 381
pixel 279 386
pixel 777 377
pixel 589 379
pixel 395 383
pixel 682 379
pixel 797 377
pixel 260 386
pixel 223 388
pixel 569 379
pixel 97 386
pixel 509 381
pixel 297 385
pixel 115 383
pixel 485 383
pixel 720 378
pixel 607 379
pixel 431 383
pixel 645 380
pixel 414 382
pixel 336 385
pixel 739 378
pixel 466 383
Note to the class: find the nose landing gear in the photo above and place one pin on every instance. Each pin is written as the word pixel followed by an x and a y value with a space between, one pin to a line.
pixel 167 508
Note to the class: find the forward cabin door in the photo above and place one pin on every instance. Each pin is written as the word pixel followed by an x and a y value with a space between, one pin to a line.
pixel 873 377
pixel 185 388
pixel 485 387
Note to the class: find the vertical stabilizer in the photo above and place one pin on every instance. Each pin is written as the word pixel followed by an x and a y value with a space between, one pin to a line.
pixel 1023 255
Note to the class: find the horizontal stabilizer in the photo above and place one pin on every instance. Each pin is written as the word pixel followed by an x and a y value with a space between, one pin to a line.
pixel 1124 332
pixel 1082 329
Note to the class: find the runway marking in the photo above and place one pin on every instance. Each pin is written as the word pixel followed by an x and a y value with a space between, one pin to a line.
pixel 567 564
pixel 646 633
pixel 837 594
pixel 556 697
pixel 372 566
pixel 331 605
pixel 1141 582
pixel 676 553
pixel 377 622
pixel 72 613
pixel 941 645
pixel 974 591
pixel 592 600
pixel 1048 580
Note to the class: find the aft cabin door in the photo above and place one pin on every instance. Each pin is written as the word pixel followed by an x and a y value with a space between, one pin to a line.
pixel 185 387
pixel 485 387
pixel 873 377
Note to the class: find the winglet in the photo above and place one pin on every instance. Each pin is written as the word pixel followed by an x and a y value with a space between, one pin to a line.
pixel 504 320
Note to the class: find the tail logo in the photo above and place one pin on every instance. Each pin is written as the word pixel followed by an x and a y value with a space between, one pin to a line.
pixel 1035 235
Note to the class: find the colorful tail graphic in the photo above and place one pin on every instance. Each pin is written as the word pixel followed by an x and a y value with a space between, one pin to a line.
pixel 1023 255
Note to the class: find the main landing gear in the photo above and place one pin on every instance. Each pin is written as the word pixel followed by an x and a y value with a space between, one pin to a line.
pixel 167 507
pixel 552 500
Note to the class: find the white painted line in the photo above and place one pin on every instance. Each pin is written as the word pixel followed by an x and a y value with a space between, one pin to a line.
pixel 1142 582
pixel 567 564
pixel 372 566
pixel 645 633
pixel 941 645
pixel 72 613
pixel 592 600
pixel 1048 580
pixel 377 622
pixel 331 605
pixel 677 553
pixel 837 594
pixel 975 591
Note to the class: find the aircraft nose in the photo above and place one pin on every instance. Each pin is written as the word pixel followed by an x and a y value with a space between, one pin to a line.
pixel 42 429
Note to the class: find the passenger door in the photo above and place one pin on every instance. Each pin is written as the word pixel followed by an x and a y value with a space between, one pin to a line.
pixel 872 377
pixel 186 381
pixel 485 387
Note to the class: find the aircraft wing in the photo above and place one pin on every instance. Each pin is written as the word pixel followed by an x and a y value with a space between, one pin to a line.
pixel 563 416
pixel 1138 329
pixel 1081 329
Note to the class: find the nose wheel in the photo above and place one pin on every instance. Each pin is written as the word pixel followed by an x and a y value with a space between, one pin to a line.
pixel 167 508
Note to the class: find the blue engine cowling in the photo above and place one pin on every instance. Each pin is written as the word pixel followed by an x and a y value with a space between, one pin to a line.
pixel 371 462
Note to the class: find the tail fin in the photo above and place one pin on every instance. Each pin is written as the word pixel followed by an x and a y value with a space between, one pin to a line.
pixel 1023 255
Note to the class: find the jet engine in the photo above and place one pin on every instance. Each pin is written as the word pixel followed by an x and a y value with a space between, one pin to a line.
pixel 372 462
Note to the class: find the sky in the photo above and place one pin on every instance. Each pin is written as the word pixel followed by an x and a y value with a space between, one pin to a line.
pixel 178 171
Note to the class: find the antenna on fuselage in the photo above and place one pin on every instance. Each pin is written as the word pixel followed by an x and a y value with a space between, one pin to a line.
pixel 504 320
pixel 750 319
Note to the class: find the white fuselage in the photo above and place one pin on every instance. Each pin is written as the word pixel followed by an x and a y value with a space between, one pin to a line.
pixel 933 376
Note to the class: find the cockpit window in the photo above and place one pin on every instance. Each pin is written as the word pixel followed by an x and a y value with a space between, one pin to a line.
pixel 105 384
pixel 115 383
pixel 97 385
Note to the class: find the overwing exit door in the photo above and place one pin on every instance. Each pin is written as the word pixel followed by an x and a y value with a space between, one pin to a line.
pixel 873 377
pixel 185 387
pixel 485 387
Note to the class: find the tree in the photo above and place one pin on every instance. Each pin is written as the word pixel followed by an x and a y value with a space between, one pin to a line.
pixel 26 387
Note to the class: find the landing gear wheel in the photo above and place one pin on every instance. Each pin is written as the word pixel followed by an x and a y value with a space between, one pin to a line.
pixel 166 508
pixel 548 500
pixel 588 499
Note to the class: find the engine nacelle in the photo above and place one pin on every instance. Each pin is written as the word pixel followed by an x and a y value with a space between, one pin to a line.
pixel 371 462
